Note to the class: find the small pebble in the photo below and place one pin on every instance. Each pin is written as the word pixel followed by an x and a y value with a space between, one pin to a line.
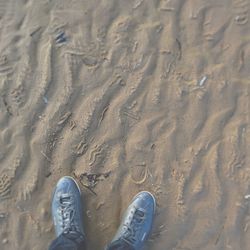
pixel 202 81
pixel 5 241
pixel 88 213
pixel 45 99
pixel 3 215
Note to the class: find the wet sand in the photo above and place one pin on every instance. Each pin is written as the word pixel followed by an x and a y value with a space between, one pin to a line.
pixel 126 96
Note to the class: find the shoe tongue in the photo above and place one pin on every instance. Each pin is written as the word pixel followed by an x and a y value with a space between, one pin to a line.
pixel 72 232
pixel 120 244
pixel 64 198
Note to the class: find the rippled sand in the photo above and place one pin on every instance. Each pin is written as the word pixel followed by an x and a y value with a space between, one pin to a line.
pixel 126 96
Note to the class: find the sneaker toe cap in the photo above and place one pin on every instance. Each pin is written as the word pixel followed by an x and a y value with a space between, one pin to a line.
pixel 145 200
pixel 67 184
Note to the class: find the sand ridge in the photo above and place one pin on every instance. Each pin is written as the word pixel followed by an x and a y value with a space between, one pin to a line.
pixel 126 96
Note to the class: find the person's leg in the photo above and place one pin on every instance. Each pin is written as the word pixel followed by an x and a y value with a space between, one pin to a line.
pixel 119 245
pixel 136 224
pixel 73 241
pixel 67 216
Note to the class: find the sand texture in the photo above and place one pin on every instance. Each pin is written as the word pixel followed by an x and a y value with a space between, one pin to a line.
pixel 126 96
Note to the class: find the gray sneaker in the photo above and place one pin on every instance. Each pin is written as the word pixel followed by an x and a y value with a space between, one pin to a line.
pixel 136 223
pixel 67 207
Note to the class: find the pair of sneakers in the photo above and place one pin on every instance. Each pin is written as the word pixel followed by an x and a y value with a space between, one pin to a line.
pixel 135 225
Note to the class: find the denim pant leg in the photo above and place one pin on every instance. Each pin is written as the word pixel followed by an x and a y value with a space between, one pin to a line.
pixel 119 245
pixel 69 241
